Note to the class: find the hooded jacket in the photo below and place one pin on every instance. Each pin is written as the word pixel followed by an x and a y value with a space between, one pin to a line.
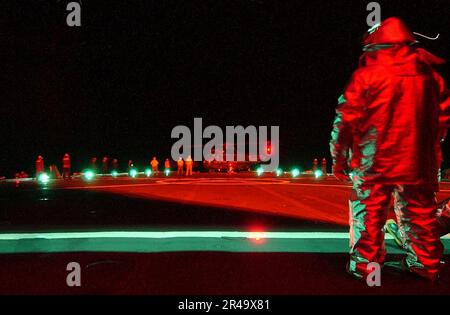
pixel 394 112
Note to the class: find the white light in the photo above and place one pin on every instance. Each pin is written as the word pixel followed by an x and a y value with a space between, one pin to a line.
pixel 133 173
pixel 44 178
pixel 295 172
pixel 260 171
pixel 88 175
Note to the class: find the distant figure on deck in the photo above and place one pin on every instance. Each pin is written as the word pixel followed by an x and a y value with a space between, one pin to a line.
pixel 66 166
pixel 130 165
pixel 115 165
pixel 315 165
pixel 105 165
pixel 167 165
pixel 154 164
pixel 324 166
pixel 54 172
pixel 189 164
pixel 94 164
pixel 180 164
pixel 22 174
pixel 39 166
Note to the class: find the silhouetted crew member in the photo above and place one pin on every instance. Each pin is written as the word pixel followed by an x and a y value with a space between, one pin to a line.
pixel 315 165
pixel 105 165
pixel 392 117
pixel 23 174
pixel 130 165
pixel 167 164
pixel 115 165
pixel 39 166
pixel 189 164
pixel 180 164
pixel 154 164
pixel 94 164
pixel 66 166
pixel 54 172
pixel 324 166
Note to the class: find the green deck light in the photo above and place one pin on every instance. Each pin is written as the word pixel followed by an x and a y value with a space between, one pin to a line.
pixel 43 178
pixel 89 175
pixel 148 172
pixel 318 173
pixel 295 172
pixel 279 172
pixel 260 171
pixel 133 172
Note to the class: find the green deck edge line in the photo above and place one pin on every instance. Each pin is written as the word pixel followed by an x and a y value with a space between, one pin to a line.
pixel 186 241
pixel 178 234
pixel 173 234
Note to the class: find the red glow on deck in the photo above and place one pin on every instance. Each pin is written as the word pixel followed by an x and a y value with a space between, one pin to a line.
pixel 257 234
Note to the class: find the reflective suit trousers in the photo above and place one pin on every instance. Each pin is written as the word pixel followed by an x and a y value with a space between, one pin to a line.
pixel 415 207
pixel 444 216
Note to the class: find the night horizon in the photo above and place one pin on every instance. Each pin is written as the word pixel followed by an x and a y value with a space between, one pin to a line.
pixel 118 85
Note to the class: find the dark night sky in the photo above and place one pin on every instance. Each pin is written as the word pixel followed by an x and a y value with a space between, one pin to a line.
pixel 117 85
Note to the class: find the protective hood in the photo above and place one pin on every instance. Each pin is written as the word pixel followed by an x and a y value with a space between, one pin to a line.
pixel 392 42
pixel 390 31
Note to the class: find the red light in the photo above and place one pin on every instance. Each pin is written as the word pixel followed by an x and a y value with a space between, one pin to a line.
pixel 268 148
pixel 257 235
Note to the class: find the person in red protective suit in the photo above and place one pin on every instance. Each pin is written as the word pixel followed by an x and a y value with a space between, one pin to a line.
pixel 167 165
pixel 94 164
pixel 39 166
pixel 387 132
pixel 180 165
pixel 66 166
pixel 115 165
pixel 315 165
pixel 105 165
pixel 154 164
pixel 130 165
pixel 189 164
pixel 324 166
